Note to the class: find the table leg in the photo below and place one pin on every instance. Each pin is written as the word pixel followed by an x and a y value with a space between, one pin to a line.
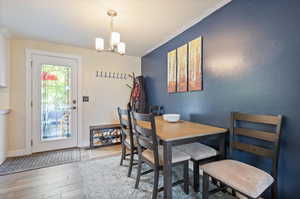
pixel 167 170
pixel 222 148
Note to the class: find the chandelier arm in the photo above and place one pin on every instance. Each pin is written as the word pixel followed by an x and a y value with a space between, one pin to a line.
pixel 112 24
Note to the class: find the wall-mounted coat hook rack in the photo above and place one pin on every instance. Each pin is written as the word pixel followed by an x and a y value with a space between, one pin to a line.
pixel 112 75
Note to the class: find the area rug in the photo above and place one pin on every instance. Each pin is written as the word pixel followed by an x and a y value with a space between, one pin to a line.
pixel 39 160
pixel 106 179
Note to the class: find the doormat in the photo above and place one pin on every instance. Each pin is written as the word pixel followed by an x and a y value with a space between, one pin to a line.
pixel 39 160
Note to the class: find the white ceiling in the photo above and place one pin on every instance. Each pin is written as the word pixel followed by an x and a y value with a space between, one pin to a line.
pixel 144 25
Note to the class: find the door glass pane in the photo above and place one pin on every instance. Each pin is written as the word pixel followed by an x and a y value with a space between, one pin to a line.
pixel 55 102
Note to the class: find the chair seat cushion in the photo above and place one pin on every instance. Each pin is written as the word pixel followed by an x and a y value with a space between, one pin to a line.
pixel 242 177
pixel 177 156
pixel 197 151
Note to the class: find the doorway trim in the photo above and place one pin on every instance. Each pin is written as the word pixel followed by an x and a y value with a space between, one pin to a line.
pixel 28 54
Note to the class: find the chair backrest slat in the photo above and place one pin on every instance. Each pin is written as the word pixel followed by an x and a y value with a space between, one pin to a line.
pixel 144 126
pixel 264 119
pixel 145 143
pixel 262 135
pixel 142 117
pixel 253 149
pixel 126 132
pixel 145 131
pixel 124 122
pixel 156 110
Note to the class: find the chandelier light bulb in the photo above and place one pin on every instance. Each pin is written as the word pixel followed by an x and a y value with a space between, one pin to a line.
pixel 121 48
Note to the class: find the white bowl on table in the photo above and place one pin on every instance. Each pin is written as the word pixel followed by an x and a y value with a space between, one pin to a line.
pixel 171 117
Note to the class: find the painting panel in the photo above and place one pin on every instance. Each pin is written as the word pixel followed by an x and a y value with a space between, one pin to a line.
pixel 172 64
pixel 182 61
pixel 195 65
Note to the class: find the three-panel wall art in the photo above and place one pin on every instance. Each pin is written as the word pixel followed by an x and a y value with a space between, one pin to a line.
pixel 185 67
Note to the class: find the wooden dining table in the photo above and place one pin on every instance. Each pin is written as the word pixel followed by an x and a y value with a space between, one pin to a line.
pixel 184 132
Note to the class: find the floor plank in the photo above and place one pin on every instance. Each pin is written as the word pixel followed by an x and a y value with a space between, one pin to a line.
pixel 58 182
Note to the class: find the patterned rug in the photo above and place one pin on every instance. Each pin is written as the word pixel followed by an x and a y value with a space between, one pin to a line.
pixel 39 160
pixel 106 179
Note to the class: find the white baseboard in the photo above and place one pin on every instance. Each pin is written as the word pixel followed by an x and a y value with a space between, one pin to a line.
pixel 2 159
pixel 22 152
pixel 84 144
pixel 15 153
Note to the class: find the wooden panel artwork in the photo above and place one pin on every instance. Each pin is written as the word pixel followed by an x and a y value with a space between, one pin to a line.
pixel 182 76
pixel 195 65
pixel 185 67
pixel 172 65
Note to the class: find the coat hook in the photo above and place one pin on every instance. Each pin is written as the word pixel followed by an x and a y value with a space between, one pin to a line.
pixel 131 76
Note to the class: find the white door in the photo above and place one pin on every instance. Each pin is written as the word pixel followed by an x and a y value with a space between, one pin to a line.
pixel 54 103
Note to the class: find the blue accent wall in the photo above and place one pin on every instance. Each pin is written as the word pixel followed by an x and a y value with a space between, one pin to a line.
pixel 251 63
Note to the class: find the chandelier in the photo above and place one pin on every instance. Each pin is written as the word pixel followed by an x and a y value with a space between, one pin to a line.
pixel 116 45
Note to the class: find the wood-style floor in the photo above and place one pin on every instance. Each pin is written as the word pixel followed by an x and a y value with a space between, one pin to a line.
pixel 59 182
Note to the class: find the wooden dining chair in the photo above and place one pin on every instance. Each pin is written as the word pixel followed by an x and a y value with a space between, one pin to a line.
pixel 128 141
pixel 240 177
pixel 144 126
pixel 156 110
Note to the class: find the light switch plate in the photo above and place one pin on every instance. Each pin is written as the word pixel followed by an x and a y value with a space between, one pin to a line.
pixel 85 98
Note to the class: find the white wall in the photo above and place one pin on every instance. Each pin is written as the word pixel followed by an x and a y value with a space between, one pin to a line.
pixel 4 97
pixel 4 91
pixel 3 135
pixel 3 60
pixel 105 94
pixel 4 69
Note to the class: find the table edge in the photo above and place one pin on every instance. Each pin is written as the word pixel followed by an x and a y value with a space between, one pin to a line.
pixel 225 131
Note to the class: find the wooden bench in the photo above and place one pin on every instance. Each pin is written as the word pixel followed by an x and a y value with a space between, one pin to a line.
pixel 105 135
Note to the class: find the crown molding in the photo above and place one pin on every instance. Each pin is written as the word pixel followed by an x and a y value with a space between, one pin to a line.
pixel 189 25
